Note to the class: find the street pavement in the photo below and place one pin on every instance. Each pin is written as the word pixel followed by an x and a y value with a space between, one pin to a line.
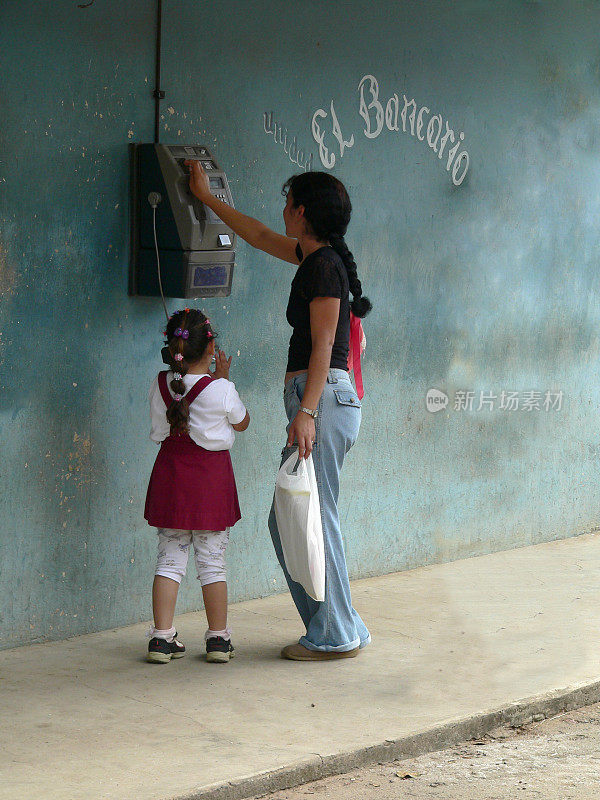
pixel 458 649
pixel 556 759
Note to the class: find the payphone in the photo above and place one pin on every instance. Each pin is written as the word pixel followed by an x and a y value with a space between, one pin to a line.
pixel 179 247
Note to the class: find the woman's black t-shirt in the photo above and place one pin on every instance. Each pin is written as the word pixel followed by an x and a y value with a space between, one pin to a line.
pixel 321 274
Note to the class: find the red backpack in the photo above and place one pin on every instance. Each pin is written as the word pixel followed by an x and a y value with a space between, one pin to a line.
pixel 358 342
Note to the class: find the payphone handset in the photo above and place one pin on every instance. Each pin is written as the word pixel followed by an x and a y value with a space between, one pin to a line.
pixel 199 226
pixel 178 239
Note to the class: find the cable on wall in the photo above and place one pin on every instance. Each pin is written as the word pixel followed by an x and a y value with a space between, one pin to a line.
pixel 158 92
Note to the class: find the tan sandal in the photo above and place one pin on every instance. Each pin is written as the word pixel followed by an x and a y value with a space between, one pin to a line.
pixel 297 652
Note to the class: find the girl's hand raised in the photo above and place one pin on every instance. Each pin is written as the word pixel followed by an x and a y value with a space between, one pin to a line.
pixel 222 365
pixel 199 182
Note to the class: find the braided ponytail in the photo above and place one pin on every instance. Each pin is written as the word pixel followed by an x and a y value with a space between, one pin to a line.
pixel 360 305
pixel 188 335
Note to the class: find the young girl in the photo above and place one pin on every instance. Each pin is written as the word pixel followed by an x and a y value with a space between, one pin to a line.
pixel 192 495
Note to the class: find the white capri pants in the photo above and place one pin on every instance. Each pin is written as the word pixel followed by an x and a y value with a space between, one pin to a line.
pixel 209 551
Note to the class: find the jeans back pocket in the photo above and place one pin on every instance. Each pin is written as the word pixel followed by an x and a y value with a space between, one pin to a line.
pixel 347 397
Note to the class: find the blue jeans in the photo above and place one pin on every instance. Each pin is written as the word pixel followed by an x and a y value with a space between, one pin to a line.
pixel 332 624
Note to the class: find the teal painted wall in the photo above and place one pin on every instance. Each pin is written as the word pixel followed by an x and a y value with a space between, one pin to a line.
pixel 487 286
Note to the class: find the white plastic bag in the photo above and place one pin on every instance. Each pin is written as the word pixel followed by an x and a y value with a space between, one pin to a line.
pixel 298 516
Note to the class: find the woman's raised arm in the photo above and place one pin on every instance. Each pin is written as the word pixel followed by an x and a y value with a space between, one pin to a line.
pixel 249 229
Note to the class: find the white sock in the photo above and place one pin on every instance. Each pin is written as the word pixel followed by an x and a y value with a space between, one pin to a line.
pixel 226 634
pixel 168 634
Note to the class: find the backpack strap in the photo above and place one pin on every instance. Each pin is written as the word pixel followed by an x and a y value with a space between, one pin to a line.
pixel 355 338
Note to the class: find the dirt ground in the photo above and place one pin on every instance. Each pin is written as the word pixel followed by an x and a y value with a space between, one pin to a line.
pixel 555 759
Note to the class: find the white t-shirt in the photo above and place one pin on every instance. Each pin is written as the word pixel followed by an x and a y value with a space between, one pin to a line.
pixel 213 412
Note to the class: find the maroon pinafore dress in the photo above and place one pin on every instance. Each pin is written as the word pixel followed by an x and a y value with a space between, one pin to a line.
pixel 191 488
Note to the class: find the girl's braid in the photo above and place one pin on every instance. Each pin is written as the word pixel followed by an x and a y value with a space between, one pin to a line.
pixel 188 335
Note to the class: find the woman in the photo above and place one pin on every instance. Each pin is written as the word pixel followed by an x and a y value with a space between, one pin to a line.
pixel 321 403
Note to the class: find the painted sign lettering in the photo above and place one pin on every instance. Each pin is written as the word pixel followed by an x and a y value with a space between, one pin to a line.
pixel 436 131
pixel 290 145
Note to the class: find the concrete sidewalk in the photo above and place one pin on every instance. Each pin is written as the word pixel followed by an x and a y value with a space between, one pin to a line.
pixel 457 649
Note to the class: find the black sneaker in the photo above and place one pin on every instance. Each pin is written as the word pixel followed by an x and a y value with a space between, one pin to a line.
pixel 219 650
pixel 160 651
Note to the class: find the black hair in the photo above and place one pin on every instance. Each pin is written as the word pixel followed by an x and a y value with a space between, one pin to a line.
pixel 192 348
pixel 327 210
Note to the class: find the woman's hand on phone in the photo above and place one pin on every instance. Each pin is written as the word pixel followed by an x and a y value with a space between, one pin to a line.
pixel 222 365
pixel 199 182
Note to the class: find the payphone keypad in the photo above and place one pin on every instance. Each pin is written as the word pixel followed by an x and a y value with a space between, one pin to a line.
pixel 183 166
pixel 214 182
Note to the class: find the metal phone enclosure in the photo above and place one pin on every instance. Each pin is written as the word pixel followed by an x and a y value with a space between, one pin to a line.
pixel 196 249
